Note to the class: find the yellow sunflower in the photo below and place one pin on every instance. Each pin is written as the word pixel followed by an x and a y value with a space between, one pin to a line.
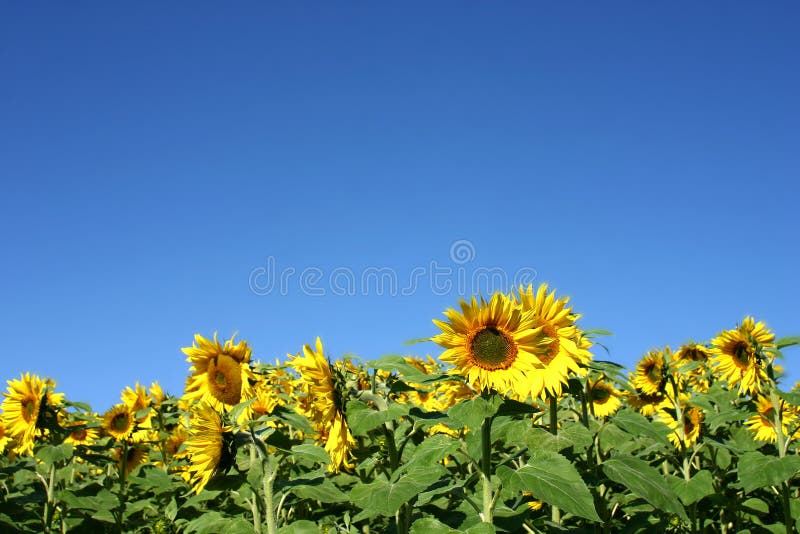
pixel 689 353
pixel 118 422
pixel 692 423
pixel 603 397
pixel 762 424
pixel 323 405
pixel 494 344
pixel 566 352
pixel 136 456
pixel 209 446
pixel 4 438
pixel 651 373
pixel 157 394
pixel 647 404
pixel 738 357
pixel 80 434
pixel 27 405
pixel 137 400
pixel 220 374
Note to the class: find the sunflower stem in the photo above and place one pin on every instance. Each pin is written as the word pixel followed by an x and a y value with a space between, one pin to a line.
pixel 782 448
pixel 269 505
pixel 486 469
pixel 556 513
pixel 123 485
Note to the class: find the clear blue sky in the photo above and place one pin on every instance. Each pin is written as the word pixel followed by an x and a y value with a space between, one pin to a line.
pixel 641 157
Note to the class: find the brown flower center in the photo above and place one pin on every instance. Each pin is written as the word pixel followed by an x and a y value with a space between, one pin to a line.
pixel 225 379
pixel 120 422
pixel 492 349
pixel 29 409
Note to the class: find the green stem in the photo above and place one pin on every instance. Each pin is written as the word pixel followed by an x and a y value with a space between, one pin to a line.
pixel 556 513
pixel 254 456
pixel 782 448
pixel 486 469
pixel 269 479
pixel 123 485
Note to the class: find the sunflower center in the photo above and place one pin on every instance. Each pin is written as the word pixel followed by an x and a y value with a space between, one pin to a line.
pixel 653 372
pixel 600 395
pixel 225 379
pixel 28 409
pixel 120 422
pixel 741 354
pixel 492 349
pixel 79 435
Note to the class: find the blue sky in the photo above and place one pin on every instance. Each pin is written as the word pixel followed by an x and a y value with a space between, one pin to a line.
pixel 640 157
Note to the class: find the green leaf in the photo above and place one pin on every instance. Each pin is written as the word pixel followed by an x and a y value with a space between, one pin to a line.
pixel 756 506
pixel 645 482
pixel 758 470
pixel 312 453
pixel 429 525
pixel 554 480
pixel 432 450
pixel 576 436
pixel 471 413
pixel 787 342
pixel 52 454
pixel 361 418
pixel 639 425
pixel 303 526
pixel 699 486
pixel 792 397
pixel 385 498
pixel 394 362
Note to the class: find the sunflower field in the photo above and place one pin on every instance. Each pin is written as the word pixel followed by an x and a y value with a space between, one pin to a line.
pixel 516 426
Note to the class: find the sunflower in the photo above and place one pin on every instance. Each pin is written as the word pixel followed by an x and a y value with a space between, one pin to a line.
pixel 323 405
pixel 29 406
pixel 136 456
pixel 690 353
pixel 157 395
pixel 566 352
pixel 209 446
pixel 220 374
pixel 495 345
pixel 737 355
pixel 651 373
pixel 692 422
pixel 80 434
pixel 648 404
pixel 603 397
pixel 137 400
pixel 4 438
pixel 762 424
pixel 118 422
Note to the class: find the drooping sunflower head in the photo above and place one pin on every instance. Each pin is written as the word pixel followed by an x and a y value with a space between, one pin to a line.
pixel 220 374
pixel 648 404
pixel 651 373
pixel 602 396
pixel 494 344
pixel 210 447
pixel 119 422
pixel 691 361
pixel 739 357
pixel 687 433
pixel 136 455
pixel 566 352
pixel 29 408
pixel 763 423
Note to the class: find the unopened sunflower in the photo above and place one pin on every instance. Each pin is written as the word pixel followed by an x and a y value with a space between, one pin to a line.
pixel 494 344
pixel 566 352
pixel 739 355
pixel 220 373
pixel 323 405
pixel 29 403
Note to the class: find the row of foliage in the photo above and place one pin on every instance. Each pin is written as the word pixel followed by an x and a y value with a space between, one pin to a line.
pixel 516 427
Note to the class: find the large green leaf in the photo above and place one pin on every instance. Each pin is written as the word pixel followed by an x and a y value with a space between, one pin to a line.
pixel 639 425
pixel 758 470
pixel 361 418
pixel 385 497
pixel 692 490
pixel 303 526
pixel 551 478
pixel 787 342
pixel 432 450
pixel 471 413
pixel 645 482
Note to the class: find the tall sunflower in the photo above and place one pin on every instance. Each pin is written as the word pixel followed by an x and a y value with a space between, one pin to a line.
pixel 28 406
pixel 220 374
pixel 762 424
pixel 119 422
pixel 700 355
pixel 739 358
pixel 566 351
pixel 323 405
pixel 648 404
pixel 651 373
pixel 209 447
pixel 603 397
pixel 494 344
pixel 692 423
